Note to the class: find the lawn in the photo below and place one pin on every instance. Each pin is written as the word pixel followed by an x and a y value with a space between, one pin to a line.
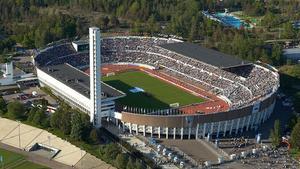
pixel 17 161
pixel 158 94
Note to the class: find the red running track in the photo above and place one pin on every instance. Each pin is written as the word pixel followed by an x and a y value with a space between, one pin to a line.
pixel 212 104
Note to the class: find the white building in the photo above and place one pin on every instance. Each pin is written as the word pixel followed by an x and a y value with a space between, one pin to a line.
pixel 12 75
pixel 73 86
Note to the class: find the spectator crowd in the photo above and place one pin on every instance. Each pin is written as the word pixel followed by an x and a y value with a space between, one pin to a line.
pixel 241 85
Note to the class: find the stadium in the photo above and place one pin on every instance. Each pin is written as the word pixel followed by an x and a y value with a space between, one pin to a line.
pixel 163 87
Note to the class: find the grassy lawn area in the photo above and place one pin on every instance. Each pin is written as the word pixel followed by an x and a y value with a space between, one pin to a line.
pixel 295 153
pixel 158 94
pixel 29 165
pixel 17 161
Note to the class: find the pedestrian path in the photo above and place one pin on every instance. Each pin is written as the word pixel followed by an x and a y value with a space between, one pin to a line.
pixel 23 137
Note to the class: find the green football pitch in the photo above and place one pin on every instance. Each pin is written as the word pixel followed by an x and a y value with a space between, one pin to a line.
pixel 158 94
pixel 16 161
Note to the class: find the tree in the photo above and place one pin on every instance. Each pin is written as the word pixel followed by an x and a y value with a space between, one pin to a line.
pixel 292 122
pixel 110 152
pixel 94 136
pixel 2 106
pixel 103 22
pixel 295 136
pixel 15 110
pixel 45 122
pixel 265 58
pixel 6 45
pixel 42 37
pixel 296 100
pixel 194 29
pixel 255 9
pixel 39 117
pixel 42 102
pixel 61 119
pixel 276 134
pixel 28 40
pixel 138 165
pixel 31 113
pixel 77 127
pixel 65 122
pixel 133 10
pixel 55 119
pixel 87 125
pixel 130 164
pixel 114 21
pixel 276 54
pixel 137 27
pixel 289 31
pixel 121 161
pixel 268 19
pixel 152 25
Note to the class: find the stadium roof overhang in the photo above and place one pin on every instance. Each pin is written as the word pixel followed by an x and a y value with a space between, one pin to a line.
pixel 209 56
pixel 78 80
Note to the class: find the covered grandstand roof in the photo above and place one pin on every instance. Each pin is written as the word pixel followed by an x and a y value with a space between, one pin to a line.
pixel 78 80
pixel 205 55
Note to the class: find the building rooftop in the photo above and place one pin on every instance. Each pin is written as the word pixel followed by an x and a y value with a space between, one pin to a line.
pixel 292 53
pixel 81 42
pixel 78 80
pixel 205 55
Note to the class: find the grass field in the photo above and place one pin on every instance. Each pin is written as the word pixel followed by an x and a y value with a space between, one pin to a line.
pixel 158 94
pixel 17 161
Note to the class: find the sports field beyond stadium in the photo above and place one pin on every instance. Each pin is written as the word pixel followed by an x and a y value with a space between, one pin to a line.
pixel 158 94
pixel 16 161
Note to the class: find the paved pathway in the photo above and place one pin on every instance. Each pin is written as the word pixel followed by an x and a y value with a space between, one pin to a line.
pixel 19 137
pixel 91 162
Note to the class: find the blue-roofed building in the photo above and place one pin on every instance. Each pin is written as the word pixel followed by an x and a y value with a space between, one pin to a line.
pixel 292 54
pixel 296 24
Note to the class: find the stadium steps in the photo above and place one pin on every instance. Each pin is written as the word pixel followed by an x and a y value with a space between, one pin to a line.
pixel 217 151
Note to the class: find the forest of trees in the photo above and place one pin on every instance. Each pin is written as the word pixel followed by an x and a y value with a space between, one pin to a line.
pixel 35 23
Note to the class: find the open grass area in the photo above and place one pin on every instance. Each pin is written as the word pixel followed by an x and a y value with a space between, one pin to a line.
pixel 295 153
pixel 17 161
pixel 158 94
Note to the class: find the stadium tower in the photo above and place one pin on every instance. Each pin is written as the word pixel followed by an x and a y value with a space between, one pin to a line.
pixel 95 76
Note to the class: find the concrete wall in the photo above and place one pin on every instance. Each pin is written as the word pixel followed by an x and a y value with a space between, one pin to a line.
pixel 200 125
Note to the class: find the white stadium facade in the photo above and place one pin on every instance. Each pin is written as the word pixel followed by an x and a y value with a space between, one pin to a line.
pixel 249 89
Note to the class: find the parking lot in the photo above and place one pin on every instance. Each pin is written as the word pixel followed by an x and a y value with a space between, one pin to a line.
pixel 29 95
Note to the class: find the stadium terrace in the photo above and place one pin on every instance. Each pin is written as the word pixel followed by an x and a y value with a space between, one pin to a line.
pixel 239 95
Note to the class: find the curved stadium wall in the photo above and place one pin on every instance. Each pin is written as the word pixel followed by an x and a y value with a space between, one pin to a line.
pixel 200 125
